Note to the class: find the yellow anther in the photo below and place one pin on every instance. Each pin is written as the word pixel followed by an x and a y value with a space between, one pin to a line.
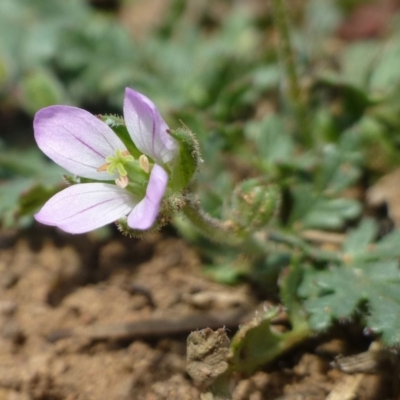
pixel 103 168
pixel 144 163
pixel 125 153
pixel 122 182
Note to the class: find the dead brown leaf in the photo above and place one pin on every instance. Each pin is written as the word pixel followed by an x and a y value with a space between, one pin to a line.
pixel 387 190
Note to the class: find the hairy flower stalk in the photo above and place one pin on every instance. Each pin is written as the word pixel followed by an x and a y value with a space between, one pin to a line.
pixel 116 184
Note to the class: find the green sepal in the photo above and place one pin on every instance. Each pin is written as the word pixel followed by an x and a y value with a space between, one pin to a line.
pixel 72 179
pixel 169 207
pixel 185 163
pixel 117 124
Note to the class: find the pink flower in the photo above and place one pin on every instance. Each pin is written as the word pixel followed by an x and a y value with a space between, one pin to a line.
pixel 87 147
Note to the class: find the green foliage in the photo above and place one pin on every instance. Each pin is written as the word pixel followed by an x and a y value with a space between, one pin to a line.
pixel 39 89
pixel 272 142
pixel 311 210
pixel 61 52
pixel 224 80
pixel 365 285
pixel 257 343
pixel 26 182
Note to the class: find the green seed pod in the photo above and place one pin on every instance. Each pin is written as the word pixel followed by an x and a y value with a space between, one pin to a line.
pixel 253 204
pixel 185 163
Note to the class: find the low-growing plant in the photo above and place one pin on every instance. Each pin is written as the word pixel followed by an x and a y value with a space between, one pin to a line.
pixel 255 191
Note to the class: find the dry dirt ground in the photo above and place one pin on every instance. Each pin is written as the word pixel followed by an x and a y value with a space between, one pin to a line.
pixel 74 325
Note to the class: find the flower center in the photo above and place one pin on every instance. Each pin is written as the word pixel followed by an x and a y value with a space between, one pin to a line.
pixel 125 165
pixel 117 162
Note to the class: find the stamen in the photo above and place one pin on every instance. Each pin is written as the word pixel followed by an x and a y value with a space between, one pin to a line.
pixel 117 162
pixel 103 168
pixel 122 182
pixel 144 163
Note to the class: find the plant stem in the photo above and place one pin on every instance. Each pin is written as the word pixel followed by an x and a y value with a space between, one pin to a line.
pixel 212 228
pixel 222 231
pixel 225 232
pixel 287 58
pixel 305 248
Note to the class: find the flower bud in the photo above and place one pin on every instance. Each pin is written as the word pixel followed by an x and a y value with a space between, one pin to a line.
pixel 253 204
pixel 186 161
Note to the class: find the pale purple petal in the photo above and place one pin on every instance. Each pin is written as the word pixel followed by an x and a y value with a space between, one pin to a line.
pixel 147 128
pixel 145 213
pixel 84 207
pixel 76 140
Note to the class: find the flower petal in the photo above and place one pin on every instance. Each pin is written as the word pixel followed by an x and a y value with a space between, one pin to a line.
pixel 145 213
pixel 84 207
pixel 76 140
pixel 147 128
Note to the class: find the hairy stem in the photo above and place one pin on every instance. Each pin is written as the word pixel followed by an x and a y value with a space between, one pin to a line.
pixel 224 232
pixel 212 228
pixel 305 248
pixel 257 244
pixel 287 59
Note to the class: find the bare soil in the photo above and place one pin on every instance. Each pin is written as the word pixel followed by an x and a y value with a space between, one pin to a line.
pixel 74 324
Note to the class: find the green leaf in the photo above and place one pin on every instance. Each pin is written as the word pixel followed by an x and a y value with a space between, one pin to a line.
pixel 289 284
pixel 354 100
pixel 342 292
pixel 386 75
pixel 340 164
pixel 322 18
pixel 358 240
pixel 9 196
pixel 358 246
pixel 256 343
pixel 28 180
pixel 368 284
pixel 39 89
pixel 31 199
pixel 386 248
pixel 272 142
pixel 312 210
pixel 358 60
